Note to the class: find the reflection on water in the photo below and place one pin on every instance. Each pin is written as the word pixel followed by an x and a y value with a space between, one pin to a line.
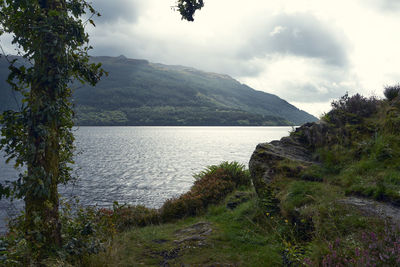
pixel 147 165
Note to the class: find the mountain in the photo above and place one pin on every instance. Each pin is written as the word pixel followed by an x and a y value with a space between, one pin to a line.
pixel 8 98
pixel 137 92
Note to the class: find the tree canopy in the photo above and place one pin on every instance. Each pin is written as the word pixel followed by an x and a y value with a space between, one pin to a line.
pixel 187 8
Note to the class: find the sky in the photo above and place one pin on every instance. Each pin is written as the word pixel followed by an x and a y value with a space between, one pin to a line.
pixel 308 52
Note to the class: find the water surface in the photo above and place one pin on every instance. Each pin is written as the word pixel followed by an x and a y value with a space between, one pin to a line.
pixel 147 165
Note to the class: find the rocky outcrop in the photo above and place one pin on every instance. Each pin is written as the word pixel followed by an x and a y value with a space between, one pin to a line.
pixel 293 154
pixel 288 156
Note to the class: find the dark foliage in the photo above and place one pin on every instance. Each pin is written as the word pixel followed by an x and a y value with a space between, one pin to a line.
pixel 187 8
pixel 391 92
pixel 352 109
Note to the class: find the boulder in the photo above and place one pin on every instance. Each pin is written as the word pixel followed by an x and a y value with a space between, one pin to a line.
pixel 287 157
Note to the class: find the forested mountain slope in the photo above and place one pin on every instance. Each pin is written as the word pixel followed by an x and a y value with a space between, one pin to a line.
pixel 137 92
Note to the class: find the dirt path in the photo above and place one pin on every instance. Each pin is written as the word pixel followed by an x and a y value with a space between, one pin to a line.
pixel 374 208
pixel 187 238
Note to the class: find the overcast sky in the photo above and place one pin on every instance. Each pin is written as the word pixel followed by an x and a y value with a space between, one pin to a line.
pixel 307 52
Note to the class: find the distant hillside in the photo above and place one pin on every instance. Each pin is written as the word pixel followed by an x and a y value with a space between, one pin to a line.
pixel 137 92
pixel 8 98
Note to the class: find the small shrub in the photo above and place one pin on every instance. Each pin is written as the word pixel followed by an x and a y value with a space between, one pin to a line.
pixel 213 187
pixel 356 104
pixel 382 148
pixel 351 109
pixel 391 92
pixel 332 160
pixel 125 217
pixel 185 205
pixel 210 187
pixel 392 121
pixel 84 232
pixel 233 171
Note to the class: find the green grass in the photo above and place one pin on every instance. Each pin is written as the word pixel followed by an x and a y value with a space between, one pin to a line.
pixel 310 222
pixel 241 236
pixel 245 236
pixel 375 175
pixel 246 242
pixel 367 165
pixel 303 193
pixel 236 240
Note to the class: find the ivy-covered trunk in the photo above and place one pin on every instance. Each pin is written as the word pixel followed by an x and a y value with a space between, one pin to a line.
pixel 50 36
pixel 47 98
pixel 42 201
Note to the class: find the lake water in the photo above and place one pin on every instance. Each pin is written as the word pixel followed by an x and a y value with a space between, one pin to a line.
pixel 147 165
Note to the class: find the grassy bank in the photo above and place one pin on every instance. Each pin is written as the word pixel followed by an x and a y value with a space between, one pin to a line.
pixel 210 228
pixel 220 237
pixel 314 222
pixel 312 228
pixel 221 221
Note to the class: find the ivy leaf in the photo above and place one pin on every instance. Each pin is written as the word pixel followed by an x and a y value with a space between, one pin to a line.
pixel 4 191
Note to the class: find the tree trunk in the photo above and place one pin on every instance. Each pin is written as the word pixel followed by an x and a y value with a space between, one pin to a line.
pixel 41 206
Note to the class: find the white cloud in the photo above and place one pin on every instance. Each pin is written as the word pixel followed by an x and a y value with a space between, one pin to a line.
pixel 277 30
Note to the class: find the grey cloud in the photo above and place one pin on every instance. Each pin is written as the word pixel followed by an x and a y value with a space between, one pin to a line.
pixel 386 5
pixel 110 50
pixel 170 52
pixel 391 4
pixel 229 66
pixel 112 11
pixel 299 35
pixel 310 92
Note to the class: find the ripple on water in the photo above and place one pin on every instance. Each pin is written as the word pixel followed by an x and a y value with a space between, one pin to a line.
pixel 147 165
